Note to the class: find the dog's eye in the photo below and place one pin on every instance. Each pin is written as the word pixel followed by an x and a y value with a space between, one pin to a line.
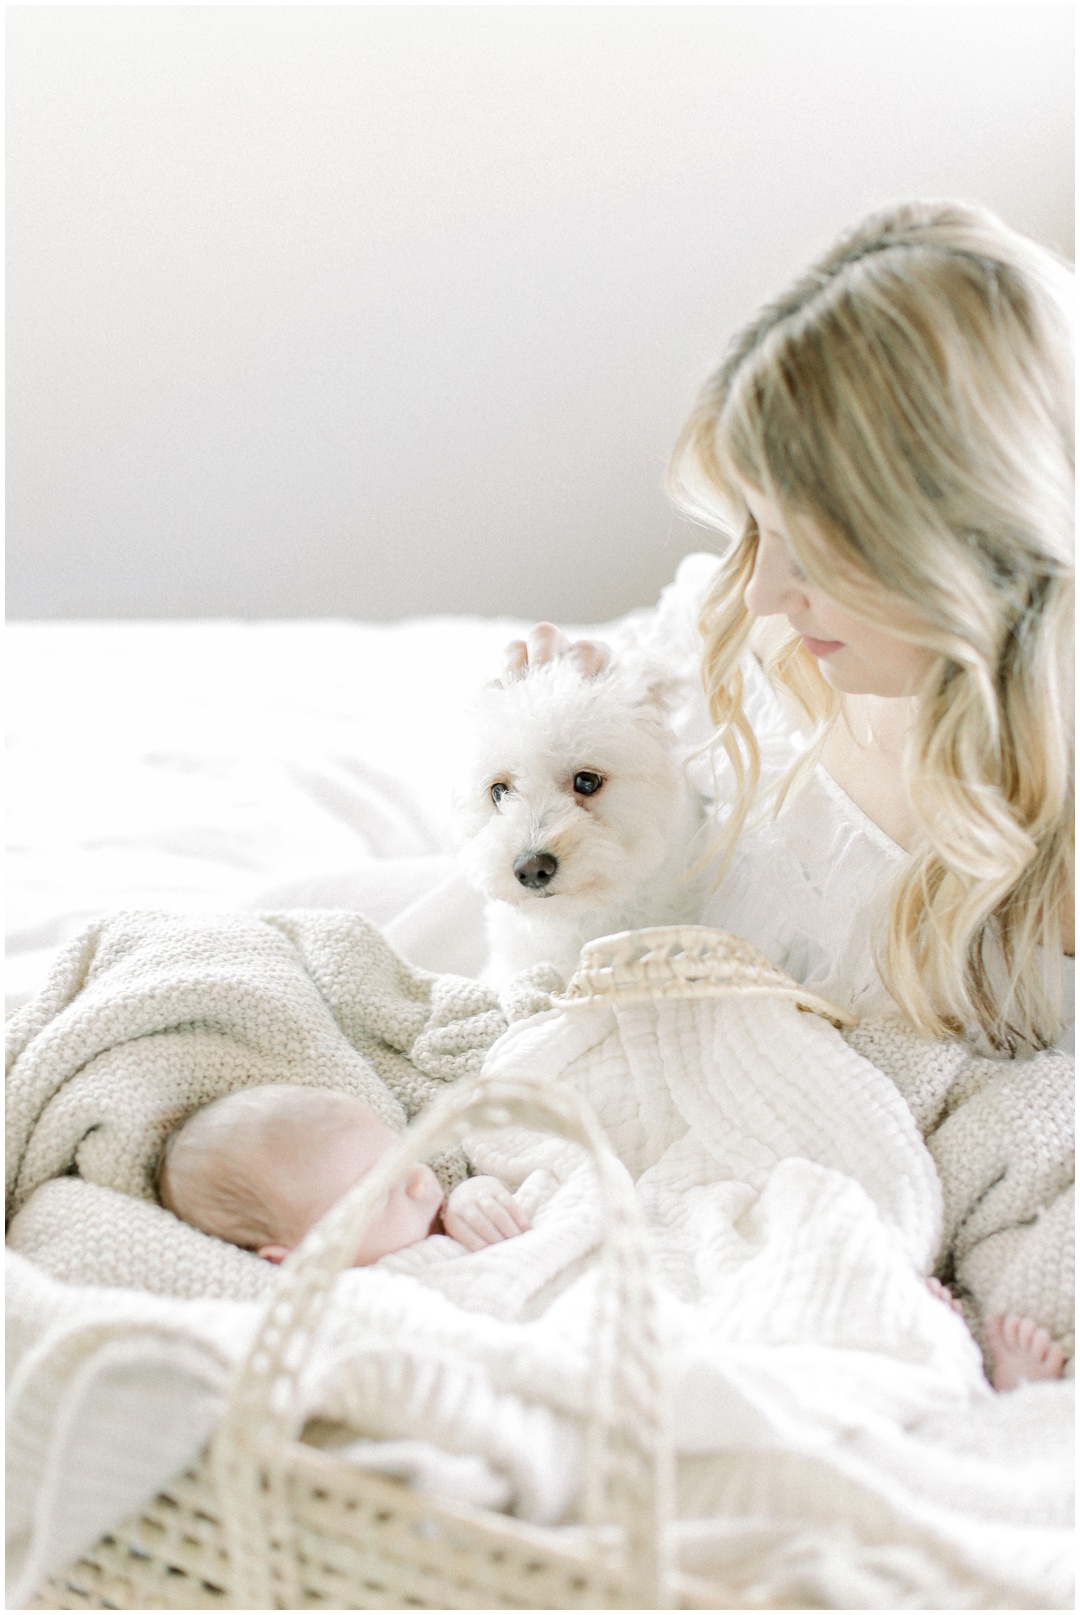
pixel 587 783
pixel 498 791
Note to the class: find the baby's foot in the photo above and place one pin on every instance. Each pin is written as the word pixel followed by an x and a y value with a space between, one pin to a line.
pixel 1020 1350
pixel 941 1293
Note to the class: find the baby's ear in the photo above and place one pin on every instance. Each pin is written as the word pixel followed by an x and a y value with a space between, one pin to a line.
pixel 273 1253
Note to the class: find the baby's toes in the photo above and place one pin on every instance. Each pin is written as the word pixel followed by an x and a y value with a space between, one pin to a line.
pixel 1020 1351
pixel 1054 1361
pixel 1045 1352
pixel 941 1292
pixel 994 1330
pixel 1010 1332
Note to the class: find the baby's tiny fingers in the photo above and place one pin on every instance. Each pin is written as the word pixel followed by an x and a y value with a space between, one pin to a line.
pixel 504 1216
pixel 482 1226
pixel 459 1229
pixel 516 1215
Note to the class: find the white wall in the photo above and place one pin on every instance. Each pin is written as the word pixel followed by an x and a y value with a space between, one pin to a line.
pixel 380 310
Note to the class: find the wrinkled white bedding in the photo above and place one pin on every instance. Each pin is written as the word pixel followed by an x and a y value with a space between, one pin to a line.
pixel 222 765
pixel 255 765
pixel 792 1208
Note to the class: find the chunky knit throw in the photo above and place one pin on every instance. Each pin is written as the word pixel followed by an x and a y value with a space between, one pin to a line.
pixel 146 1017
pixel 792 1207
pixel 1003 1137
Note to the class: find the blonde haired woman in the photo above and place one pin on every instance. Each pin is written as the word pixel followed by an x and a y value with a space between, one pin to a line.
pixel 888 641
pixel 893 442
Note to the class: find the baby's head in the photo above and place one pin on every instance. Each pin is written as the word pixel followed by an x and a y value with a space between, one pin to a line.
pixel 262 1165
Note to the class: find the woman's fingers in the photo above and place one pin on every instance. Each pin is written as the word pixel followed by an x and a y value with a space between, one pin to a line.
pixel 546 643
pixel 515 660
pixel 591 656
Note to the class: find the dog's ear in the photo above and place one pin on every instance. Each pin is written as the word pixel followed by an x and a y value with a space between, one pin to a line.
pixel 659 686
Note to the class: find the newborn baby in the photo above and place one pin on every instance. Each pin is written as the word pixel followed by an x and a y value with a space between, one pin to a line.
pixel 262 1165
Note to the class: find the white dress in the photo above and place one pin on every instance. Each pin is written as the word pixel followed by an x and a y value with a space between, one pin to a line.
pixel 810 885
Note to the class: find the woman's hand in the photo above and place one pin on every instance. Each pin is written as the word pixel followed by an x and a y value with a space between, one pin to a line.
pixel 546 643
pixel 482 1211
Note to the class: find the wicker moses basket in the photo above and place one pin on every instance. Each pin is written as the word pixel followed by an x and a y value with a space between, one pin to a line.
pixel 268 1521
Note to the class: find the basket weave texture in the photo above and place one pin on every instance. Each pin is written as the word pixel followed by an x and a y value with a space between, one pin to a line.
pixel 685 961
pixel 267 1521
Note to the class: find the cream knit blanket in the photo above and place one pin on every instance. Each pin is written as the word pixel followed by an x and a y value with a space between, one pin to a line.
pixel 146 1017
pixel 792 1204
pixel 1003 1137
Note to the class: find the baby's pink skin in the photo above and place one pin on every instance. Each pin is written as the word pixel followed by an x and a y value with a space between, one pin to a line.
pixel 941 1293
pixel 480 1211
pixel 1020 1350
pixel 407 1213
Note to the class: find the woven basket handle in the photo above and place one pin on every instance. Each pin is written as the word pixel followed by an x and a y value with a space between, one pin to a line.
pixel 627 1465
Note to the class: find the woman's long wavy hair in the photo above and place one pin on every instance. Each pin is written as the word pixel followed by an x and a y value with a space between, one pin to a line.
pixel 908 406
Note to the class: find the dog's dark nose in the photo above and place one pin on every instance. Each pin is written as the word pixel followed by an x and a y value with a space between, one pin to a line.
pixel 535 869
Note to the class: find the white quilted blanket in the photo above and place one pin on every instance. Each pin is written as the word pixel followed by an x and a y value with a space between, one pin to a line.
pixel 838 1444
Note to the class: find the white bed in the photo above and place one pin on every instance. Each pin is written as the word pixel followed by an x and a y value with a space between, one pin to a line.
pixel 221 765
pixel 189 766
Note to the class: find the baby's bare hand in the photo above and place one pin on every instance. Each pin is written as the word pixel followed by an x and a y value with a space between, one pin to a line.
pixel 546 643
pixel 482 1211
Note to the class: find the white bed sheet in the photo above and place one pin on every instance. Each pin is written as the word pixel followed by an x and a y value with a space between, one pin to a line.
pixel 222 765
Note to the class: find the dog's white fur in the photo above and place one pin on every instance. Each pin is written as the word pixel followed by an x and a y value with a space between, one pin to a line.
pixel 623 854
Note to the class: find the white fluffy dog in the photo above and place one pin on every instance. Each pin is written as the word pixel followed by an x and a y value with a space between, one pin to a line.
pixel 576 816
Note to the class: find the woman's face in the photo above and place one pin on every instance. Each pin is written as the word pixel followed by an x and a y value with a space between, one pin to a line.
pixel 852 655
